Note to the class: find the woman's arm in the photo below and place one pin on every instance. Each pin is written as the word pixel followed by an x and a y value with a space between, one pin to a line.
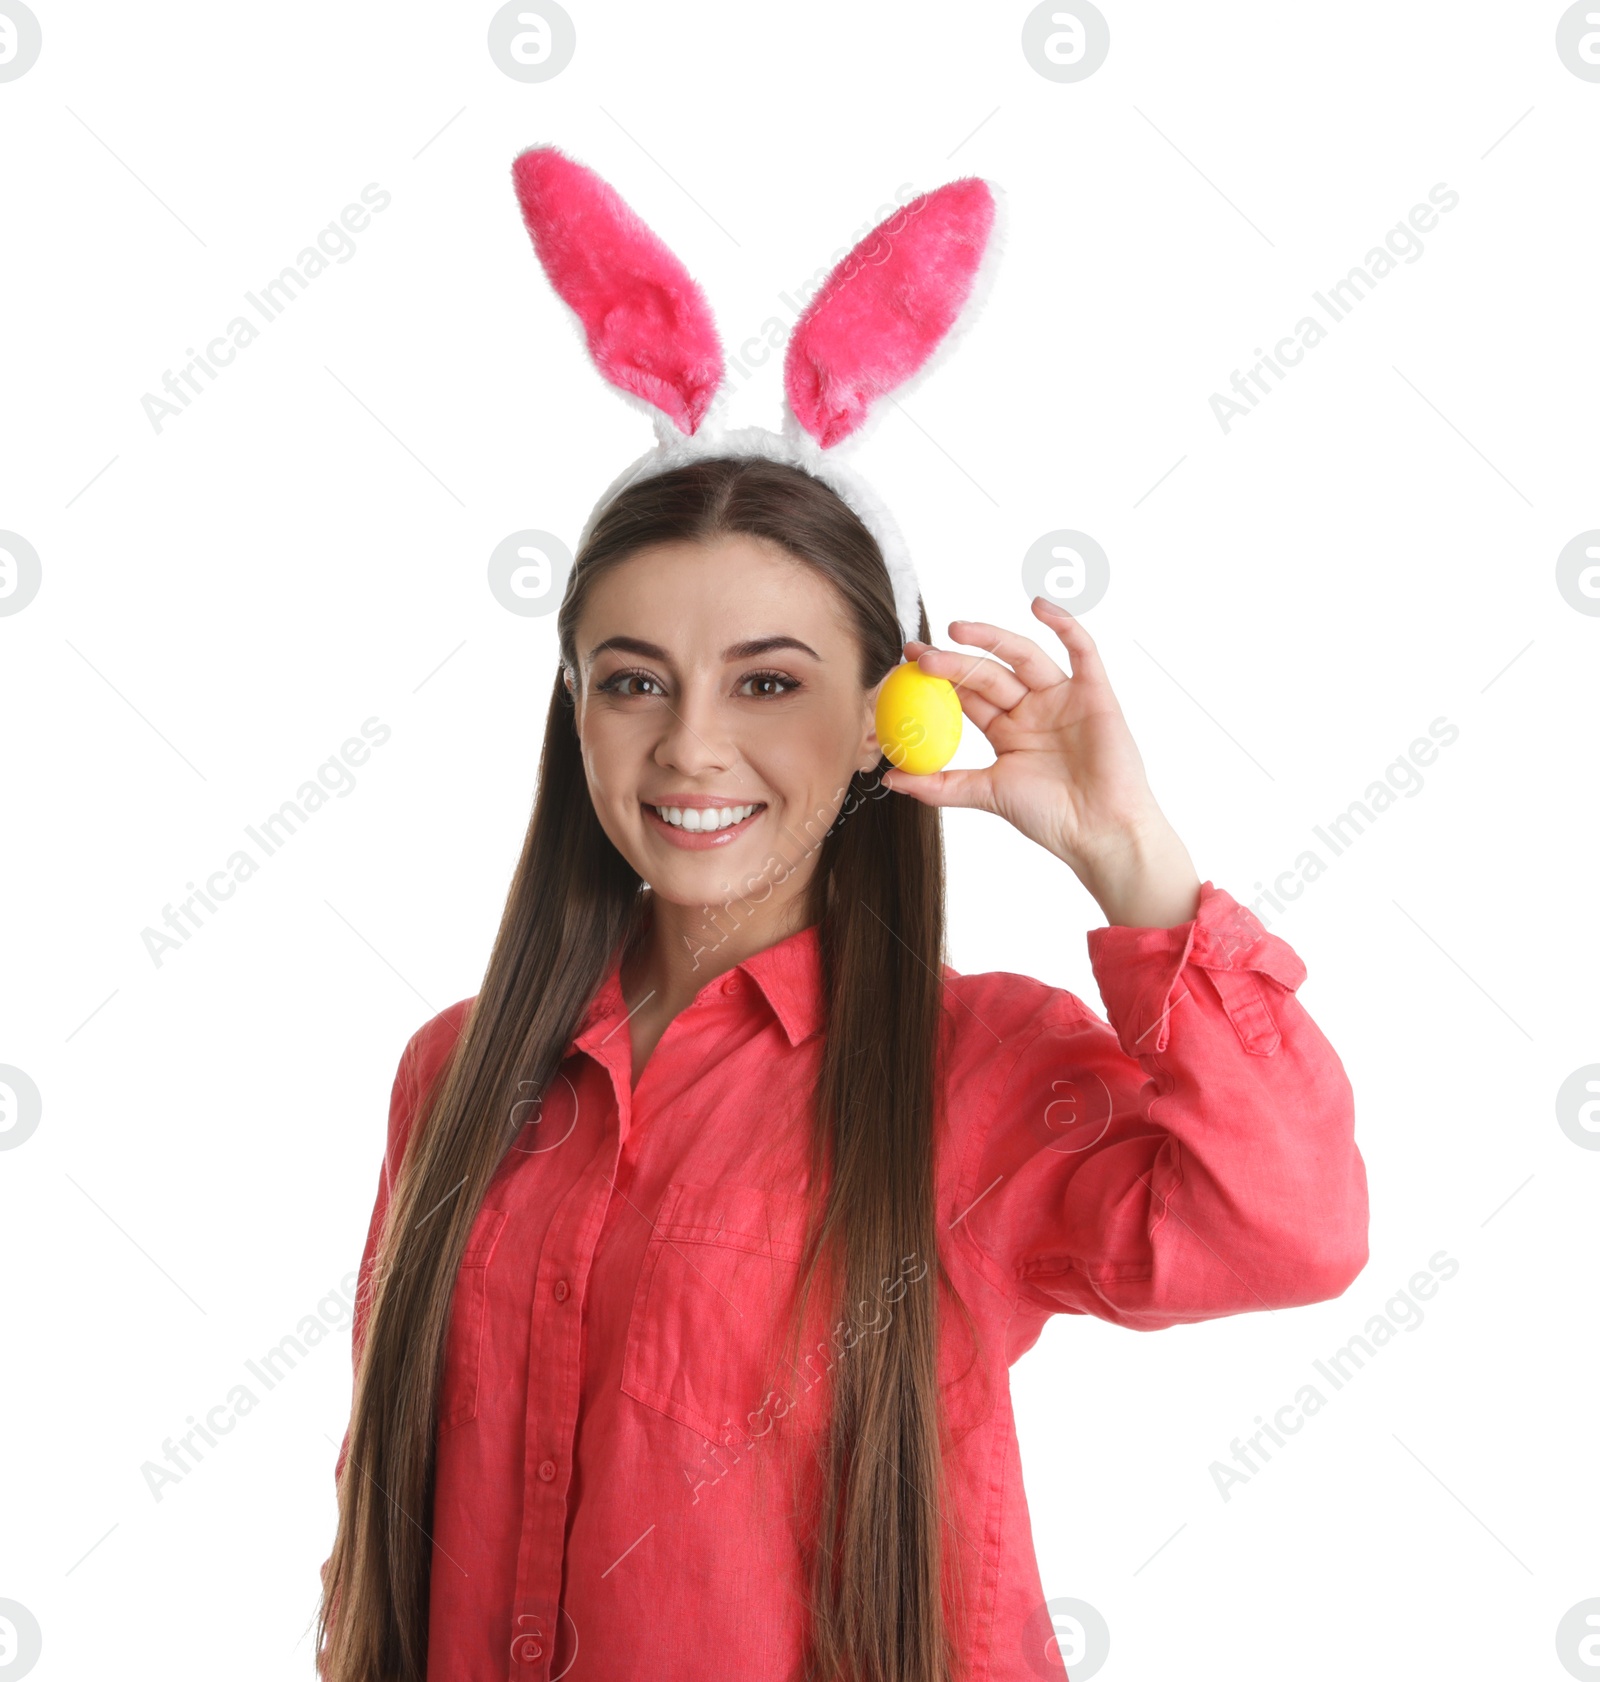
pixel 1196 1157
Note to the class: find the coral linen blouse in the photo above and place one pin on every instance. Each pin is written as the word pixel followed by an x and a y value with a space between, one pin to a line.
pixel 595 1514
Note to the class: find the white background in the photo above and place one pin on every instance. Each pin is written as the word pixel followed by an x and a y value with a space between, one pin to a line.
pixel 1290 604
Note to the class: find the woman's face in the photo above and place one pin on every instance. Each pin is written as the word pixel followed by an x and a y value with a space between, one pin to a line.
pixel 713 679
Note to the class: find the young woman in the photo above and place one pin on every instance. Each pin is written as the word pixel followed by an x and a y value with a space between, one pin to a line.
pixel 708 1230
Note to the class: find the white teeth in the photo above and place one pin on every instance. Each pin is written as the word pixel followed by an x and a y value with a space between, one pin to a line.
pixel 700 819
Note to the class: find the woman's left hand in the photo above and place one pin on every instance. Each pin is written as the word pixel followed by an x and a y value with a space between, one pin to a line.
pixel 1066 773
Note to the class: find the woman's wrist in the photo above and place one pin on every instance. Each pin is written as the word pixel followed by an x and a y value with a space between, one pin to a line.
pixel 1146 881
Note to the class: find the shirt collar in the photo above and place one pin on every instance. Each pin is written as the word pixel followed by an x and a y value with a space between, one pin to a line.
pixel 787 974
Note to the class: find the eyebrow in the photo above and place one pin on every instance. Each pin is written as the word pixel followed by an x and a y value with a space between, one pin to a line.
pixel 736 651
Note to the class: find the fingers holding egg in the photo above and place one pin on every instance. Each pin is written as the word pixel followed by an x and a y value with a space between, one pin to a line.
pixel 986 687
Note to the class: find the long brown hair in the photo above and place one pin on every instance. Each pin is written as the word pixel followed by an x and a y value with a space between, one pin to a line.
pixel 881 1599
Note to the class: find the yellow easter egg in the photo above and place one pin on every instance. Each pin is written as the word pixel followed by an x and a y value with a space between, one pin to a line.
pixel 918 720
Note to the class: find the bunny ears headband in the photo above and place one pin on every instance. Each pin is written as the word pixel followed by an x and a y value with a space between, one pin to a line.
pixel 870 328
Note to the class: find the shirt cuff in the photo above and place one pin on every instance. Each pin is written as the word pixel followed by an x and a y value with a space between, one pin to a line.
pixel 1140 973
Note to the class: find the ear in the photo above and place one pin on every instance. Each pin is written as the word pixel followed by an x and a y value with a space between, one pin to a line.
pixel 648 327
pixel 871 748
pixel 886 307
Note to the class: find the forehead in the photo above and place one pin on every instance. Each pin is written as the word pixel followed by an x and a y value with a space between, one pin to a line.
pixel 698 598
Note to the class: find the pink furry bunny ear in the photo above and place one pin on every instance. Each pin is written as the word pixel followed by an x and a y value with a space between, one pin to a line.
pixel 649 328
pixel 886 308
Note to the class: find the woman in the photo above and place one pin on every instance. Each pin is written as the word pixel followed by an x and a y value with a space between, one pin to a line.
pixel 708 1230
pixel 724 1173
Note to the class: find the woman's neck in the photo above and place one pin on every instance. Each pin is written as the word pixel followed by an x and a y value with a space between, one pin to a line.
pixel 682 947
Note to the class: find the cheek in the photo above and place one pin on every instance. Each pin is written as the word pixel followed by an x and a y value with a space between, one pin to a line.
pixel 808 762
pixel 614 749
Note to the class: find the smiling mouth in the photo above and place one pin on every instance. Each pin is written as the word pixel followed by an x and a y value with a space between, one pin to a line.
pixel 704 820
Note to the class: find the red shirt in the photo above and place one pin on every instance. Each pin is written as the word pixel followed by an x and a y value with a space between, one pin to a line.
pixel 595 1512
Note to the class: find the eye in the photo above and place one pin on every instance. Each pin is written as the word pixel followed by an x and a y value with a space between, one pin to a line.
pixel 614 685
pixel 781 678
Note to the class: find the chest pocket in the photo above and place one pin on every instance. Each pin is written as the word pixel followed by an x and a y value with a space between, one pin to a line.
pixel 710 1311
pixel 463 1359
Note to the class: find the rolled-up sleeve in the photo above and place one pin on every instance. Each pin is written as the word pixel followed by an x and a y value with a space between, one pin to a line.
pixel 1193 1157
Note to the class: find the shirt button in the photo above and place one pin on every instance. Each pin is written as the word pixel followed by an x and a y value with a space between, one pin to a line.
pixel 547 1470
pixel 561 1290
pixel 731 985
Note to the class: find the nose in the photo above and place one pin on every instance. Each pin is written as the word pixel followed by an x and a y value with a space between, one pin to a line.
pixel 695 733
